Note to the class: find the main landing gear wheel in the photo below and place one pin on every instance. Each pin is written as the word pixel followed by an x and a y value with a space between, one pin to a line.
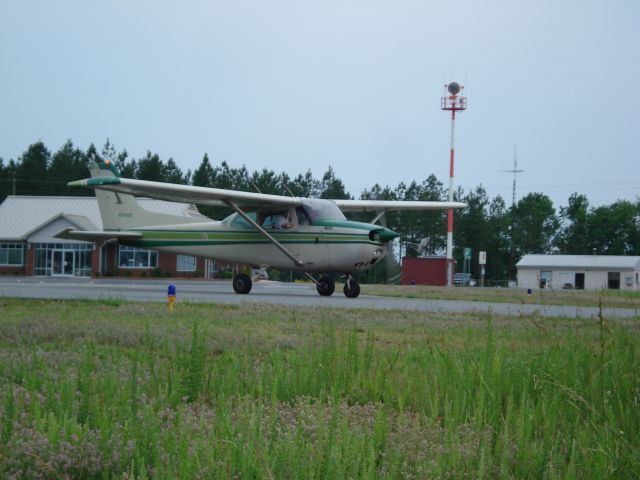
pixel 326 286
pixel 351 288
pixel 242 283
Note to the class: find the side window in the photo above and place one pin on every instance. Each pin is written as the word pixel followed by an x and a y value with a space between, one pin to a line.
pixel 266 221
pixel 239 222
pixel 275 220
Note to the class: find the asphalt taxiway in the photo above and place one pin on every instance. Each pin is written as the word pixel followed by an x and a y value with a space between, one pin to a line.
pixel 277 293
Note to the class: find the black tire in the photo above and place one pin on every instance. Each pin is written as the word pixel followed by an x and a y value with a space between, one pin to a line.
pixel 326 286
pixel 242 283
pixel 351 289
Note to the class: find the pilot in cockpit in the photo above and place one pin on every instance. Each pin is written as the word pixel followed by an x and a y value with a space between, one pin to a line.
pixel 282 221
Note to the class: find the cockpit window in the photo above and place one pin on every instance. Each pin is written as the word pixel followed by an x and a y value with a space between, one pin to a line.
pixel 322 210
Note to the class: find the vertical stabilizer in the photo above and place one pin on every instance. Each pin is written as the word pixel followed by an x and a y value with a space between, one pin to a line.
pixel 121 211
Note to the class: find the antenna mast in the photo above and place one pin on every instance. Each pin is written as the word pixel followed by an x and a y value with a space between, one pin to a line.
pixel 515 172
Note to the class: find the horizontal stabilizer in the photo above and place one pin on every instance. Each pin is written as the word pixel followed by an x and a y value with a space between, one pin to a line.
pixel 98 235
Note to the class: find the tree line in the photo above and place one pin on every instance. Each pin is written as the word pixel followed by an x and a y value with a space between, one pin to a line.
pixel 505 232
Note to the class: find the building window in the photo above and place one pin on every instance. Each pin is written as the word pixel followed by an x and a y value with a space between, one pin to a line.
pixel 11 254
pixel 62 259
pixel 613 280
pixel 132 257
pixel 186 263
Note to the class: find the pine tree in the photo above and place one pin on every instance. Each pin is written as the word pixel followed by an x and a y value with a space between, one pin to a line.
pixel 332 186
pixel 67 164
pixel 203 175
pixel 150 168
pixel 32 170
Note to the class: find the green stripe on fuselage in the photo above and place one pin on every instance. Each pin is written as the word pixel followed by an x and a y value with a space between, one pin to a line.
pixel 177 235
pixel 168 238
pixel 346 224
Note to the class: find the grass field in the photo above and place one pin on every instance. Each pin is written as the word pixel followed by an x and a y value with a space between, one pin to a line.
pixel 583 298
pixel 113 389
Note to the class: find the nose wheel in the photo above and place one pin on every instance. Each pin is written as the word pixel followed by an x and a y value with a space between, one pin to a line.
pixel 351 287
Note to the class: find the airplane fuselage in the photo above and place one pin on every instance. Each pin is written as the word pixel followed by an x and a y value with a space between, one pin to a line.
pixel 335 246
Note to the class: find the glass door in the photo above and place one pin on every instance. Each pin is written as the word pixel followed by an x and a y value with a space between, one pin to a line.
pixel 62 263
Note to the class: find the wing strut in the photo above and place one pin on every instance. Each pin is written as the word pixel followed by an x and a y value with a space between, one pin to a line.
pixel 269 237
pixel 378 216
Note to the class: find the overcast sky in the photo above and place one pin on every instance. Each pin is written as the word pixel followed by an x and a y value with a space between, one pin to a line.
pixel 297 85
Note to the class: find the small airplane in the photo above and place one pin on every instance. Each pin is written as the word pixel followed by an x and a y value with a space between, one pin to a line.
pixel 308 235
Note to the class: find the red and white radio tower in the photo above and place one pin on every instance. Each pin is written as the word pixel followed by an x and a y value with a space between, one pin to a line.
pixel 454 103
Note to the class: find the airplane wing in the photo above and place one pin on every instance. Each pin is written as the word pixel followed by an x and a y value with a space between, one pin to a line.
pixel 98 235
pixel 187 193
pixel 389 205
pixel 244 200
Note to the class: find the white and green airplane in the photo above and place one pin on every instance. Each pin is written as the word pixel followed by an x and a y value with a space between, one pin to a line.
pixel 303 234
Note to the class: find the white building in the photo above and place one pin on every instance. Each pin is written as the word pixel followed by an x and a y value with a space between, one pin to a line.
pixel 28 245
pixel 588 272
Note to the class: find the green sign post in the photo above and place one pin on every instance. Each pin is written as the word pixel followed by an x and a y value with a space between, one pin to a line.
pixel 466 268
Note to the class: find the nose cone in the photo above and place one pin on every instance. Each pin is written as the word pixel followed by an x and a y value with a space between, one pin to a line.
pixel 387 235
pixel 382 234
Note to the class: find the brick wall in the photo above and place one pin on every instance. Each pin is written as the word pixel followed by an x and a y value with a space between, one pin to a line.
pixel 167 266
pixel 13 270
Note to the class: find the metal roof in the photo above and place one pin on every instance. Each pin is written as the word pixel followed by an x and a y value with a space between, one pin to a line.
pixel 620 262
pixel 20 216
pixel 79 221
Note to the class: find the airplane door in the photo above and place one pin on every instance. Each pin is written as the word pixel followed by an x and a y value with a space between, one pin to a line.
pixel 314 248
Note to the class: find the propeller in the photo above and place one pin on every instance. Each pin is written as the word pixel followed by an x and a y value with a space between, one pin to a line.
pixel 392 269
pixel 422 246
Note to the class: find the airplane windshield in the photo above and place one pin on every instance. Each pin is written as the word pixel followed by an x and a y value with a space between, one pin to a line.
pixel 236 221
pixel 322 210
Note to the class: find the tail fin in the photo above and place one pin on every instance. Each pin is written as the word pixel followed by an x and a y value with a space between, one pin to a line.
pixel 121 211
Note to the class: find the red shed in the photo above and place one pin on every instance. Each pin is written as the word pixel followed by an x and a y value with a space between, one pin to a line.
pixel 425 271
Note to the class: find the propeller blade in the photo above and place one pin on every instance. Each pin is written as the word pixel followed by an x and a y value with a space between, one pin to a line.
pixel 392 270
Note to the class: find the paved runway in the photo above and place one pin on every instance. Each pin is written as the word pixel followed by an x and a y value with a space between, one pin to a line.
pixel 219 291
